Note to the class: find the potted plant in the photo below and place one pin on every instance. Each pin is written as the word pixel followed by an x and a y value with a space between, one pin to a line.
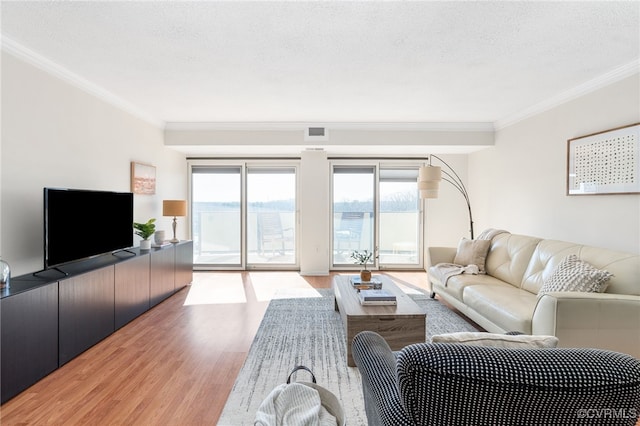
pixel 362 258
pixel 145 231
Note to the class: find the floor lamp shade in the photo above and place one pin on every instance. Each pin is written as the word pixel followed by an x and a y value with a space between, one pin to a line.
pixel 174 208
pixel 429 178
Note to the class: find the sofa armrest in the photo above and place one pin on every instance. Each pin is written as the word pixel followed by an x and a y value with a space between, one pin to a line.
pixel 597 320
pixel 377 365
pixel 441 255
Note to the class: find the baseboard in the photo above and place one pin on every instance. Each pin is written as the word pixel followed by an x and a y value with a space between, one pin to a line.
pixel 315 273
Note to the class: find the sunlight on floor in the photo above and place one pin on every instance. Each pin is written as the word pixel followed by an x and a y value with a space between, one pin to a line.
pixel 211 288
pixel 215 288
pixel 407 289
pixel 283 285
pixel 410 286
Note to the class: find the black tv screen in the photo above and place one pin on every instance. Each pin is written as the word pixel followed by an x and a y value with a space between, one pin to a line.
pixel 80 223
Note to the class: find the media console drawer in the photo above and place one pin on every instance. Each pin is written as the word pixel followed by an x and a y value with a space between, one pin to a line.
pixel 86 311
pixel 29 336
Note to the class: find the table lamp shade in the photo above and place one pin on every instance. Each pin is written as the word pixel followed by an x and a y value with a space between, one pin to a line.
pixel 174 208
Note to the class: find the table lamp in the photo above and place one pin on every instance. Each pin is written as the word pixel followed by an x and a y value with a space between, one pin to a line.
pixel 174 208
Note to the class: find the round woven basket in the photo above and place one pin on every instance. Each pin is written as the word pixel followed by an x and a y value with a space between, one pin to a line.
pixel 328 400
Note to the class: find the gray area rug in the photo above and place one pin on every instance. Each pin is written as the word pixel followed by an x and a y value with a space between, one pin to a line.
pixel 308 331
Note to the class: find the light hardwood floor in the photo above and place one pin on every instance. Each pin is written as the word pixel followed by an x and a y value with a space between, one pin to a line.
pixel 174 365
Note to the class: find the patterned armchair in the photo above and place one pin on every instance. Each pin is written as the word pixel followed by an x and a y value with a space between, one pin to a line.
pixel 454 384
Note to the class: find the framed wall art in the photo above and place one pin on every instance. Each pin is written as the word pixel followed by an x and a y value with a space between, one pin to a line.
pixel 606 162
pixel 143 178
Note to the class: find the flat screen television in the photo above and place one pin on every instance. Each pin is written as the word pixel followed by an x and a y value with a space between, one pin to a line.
pixel 79 224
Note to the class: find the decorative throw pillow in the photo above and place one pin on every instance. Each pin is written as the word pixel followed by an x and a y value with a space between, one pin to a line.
pixel 573 274
pixel 518 341
pixel 472 252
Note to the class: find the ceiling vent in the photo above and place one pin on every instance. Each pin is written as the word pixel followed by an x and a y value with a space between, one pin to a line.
pixel 314 134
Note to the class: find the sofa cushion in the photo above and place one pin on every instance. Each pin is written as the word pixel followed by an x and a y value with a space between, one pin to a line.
pixel 549 253
pixel 509 257
pixel 496 340
pixel 573 274
pixel 508 307
pixel 625 268
pixel 546 257
pixel 472 252
pixel 457 283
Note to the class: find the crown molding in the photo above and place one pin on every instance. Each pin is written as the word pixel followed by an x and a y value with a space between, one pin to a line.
pixel 604 80
pixel 361 126
pixel 16 49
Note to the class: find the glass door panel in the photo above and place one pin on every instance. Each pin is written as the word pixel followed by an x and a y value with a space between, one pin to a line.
pixel 217 216
pixel 399 217
pixel 353 211
pixel 271 216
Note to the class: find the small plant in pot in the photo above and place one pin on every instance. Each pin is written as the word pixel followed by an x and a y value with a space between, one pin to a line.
pixel 145 231
pixel 363 258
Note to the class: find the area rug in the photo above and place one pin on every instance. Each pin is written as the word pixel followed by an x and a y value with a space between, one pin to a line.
pixel 308 331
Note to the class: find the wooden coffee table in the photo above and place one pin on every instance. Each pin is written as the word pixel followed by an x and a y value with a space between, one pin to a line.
pixel 400 325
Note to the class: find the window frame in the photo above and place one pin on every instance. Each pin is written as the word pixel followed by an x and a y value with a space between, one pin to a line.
pixel 377 165
pixel 245 165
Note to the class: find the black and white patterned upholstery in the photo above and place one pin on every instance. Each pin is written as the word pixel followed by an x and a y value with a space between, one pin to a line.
pixel 449 384
pixel 377 365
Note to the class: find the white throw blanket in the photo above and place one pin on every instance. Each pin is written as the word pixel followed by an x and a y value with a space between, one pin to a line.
pixel 444 271
pixel 293 404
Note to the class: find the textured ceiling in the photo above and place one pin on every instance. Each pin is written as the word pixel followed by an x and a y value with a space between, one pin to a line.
pixel 330 61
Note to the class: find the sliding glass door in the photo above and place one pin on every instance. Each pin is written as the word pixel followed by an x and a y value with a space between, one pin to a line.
pixel 353 211
pixel 216 214
pixel 376 206
pixel 244 216
pixel 400 230
pixel 271 216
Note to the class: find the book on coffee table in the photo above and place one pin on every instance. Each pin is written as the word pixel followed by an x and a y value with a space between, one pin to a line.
pixel 356 280
pixel 377 297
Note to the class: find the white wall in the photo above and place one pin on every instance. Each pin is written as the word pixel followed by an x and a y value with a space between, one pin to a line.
pixel 314 240
pixel 520 183
pixel 54 134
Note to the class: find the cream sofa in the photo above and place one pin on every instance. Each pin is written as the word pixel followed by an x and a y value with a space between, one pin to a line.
pixel 506 297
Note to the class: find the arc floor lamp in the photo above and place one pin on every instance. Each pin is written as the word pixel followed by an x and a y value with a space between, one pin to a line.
pixel 429 178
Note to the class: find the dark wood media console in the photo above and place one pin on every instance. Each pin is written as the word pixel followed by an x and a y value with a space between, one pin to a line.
pixel 48 319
